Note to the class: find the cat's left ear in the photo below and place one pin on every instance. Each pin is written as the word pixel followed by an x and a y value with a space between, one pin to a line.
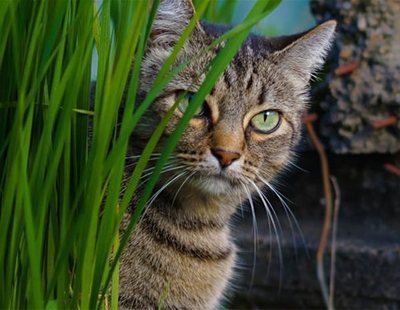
pixel 305 53
pixel 173 16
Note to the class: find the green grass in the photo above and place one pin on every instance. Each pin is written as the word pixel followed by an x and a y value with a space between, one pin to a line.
pixel 56 251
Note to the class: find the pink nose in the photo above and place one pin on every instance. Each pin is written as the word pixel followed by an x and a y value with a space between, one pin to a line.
pixel 225 158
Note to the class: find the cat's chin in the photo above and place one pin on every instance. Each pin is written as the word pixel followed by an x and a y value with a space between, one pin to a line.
pixel 214 184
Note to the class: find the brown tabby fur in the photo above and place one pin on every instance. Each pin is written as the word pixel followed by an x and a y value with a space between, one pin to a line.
pixel 181 254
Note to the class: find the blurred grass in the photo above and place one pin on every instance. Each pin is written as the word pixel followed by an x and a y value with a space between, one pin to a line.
pixel 55 249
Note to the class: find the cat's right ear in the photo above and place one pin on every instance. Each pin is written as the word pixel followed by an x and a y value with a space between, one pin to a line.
pixel 303 54
pixel 173 16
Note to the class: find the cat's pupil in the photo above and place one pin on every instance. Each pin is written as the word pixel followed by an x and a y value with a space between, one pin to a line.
pixel 265 116
pixel 185 102
pixel 201 110
pixel 189 96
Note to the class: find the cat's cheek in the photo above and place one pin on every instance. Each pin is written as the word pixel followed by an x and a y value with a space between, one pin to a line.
pixel 263 139
pixel 170 127
pixel 196 131
pixel 198 124
pixel 194 139
pixel 256 137
pixel 271 152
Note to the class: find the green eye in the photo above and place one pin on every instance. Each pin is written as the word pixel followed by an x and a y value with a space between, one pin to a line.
pixel 266 121
pixel 185 101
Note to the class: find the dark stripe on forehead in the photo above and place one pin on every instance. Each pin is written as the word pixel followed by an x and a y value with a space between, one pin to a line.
pixel 212 93
pixel 241 65
pixel 249 82
pixel 226 80
pixel 261 95
pixel 164 237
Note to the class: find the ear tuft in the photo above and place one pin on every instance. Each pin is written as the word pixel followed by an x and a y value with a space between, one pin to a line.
pixel 172 18
pixel 307 53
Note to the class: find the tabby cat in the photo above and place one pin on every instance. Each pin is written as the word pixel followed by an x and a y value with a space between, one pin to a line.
pixel 181 254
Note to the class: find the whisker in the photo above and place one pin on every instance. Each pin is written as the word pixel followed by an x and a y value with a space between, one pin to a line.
pixel 269 257
pixel 180 187
pixel 271 213
pixel 241 202
pixel 138 156
pixel 146 177
pixel 169 165
pixel 170 181
pixel 289 213
pixel 255 234
pixel 163 171
pixel 134 162
pixel 292 163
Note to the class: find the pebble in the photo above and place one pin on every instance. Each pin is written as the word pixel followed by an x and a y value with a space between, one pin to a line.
pixel 346 52
pixel 362 23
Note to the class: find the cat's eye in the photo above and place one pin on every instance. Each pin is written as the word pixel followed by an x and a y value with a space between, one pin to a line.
pixel 266 121
pixel 185 101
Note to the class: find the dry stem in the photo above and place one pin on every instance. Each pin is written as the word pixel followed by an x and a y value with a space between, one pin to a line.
pixel 333 244
pixel 328 211
pixel 346 68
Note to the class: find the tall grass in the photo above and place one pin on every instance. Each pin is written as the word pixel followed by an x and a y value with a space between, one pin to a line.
pixel 62 158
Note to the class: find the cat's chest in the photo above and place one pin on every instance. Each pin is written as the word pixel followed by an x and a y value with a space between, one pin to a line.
pixel 180 269
pixel 199 283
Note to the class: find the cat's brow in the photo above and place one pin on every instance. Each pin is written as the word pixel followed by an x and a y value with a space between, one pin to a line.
pixel 270 105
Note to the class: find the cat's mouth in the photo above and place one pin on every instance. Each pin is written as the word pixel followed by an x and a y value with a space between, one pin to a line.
pixel 216 183
pixel 222 177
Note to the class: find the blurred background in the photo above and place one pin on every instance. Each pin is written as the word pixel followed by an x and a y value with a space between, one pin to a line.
pixel 291 16
pixel 354 113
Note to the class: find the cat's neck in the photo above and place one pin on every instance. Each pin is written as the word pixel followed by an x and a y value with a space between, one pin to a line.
pixel 192 207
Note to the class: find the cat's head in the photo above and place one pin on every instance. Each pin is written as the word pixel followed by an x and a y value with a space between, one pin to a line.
pixel 250 122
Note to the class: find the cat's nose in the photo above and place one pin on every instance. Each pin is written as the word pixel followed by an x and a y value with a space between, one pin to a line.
pixel 225 158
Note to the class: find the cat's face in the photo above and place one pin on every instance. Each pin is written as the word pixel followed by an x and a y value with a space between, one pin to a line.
pixel 246 130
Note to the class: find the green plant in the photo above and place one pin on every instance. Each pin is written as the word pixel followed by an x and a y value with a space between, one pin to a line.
pixel 62 159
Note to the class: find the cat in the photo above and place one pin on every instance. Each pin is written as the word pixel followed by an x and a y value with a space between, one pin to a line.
pixel 181 254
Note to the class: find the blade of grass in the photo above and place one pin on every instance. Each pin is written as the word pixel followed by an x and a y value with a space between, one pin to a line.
pixel 104 128
pixel 115 279
pixel 108 227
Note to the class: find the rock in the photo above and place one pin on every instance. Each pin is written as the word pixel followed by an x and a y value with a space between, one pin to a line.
pixel 367 35
pixel 346 52
pixel 362 23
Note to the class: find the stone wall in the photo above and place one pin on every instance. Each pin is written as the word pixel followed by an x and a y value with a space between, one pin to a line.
pixel 360 96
